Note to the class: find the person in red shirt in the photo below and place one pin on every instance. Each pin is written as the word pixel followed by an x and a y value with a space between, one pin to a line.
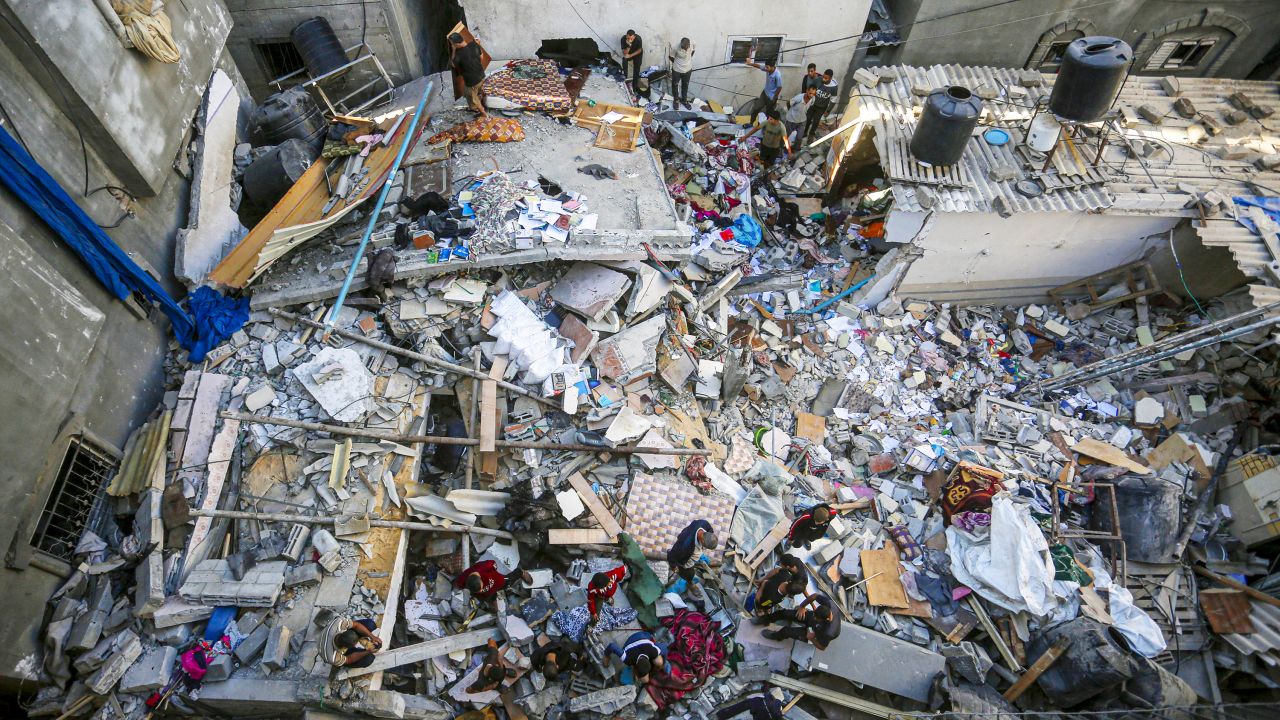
pixel 485 582
pixel 603 586
pixel 810 527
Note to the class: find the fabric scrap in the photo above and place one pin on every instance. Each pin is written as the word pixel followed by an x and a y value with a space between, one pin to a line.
pixel 485 129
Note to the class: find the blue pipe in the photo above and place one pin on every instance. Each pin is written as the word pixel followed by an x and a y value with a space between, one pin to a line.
pixel 831 301
pixel 377 210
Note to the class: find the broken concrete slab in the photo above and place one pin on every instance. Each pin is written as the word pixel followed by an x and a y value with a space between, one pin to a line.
pixel 339 381
pixel 151 671
pixel 881 661
pixel 275 654
pixel 213 226
pixel 590 290
pixel 126 649
pixel 630 355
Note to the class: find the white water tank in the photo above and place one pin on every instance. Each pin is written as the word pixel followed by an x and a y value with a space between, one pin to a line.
pixel 1043 133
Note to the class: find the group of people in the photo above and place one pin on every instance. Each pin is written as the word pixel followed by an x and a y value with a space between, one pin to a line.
pixel 812 618
pixel 803 115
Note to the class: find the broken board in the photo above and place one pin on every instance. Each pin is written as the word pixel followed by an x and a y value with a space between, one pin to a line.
pixel 1109 454
pixel 767 544
pixel 812 427
pixel 1226 610
pixel 602 515
pixel 881 569
pixel 578 536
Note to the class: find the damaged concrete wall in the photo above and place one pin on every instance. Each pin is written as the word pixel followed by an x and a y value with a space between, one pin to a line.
pixel 135 112
pixel 983 258
pixel 516 30
pixel 392 28
pixel 76 355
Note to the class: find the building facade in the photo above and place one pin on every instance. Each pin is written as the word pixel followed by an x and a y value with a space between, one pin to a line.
pixel 721 35
pixel 1227 38
pixel 80 368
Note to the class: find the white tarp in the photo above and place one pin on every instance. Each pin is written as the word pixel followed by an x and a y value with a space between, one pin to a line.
pixel 1009 566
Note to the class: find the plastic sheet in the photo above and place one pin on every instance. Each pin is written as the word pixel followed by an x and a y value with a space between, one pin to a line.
pixel 1010 566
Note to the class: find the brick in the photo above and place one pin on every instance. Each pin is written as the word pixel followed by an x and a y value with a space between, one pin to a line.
pixel 128 648
pixel 220 669
pixel 275 656
pixel 303 574
pixel 151 672
pixel 248 649
pixel 1172 86
pixel 1184 107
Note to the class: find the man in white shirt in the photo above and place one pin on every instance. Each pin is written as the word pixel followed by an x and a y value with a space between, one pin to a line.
pixel 681 58
pixel 797 112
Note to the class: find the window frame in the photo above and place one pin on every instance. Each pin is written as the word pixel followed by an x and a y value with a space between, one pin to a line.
pixel 1044 64
pixel 782 49
pixel 72 446
pixel 265 62
pixel 1203 45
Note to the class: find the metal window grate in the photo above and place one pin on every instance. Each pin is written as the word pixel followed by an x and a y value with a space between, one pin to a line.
pixel 278 58
pixel 85 472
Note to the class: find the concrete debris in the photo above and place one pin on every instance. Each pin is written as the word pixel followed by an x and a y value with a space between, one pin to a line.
pixel 564 427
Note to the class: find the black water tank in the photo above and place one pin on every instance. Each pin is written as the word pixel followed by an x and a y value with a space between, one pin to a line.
pixel 1090 77
pixel 318 45
pixel 271 176
pixel 289 114
pixel 950 115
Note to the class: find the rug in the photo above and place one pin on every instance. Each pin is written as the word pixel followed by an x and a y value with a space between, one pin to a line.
pixel 573 623
pixel 545 90
pixel 485 129
pixel 696 653
pixel 657 510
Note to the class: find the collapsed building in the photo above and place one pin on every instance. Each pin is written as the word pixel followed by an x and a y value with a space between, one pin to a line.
pixel 555 337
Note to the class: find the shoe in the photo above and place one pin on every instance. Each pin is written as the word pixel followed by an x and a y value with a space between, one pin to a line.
pixel 759 620
pixel 772 634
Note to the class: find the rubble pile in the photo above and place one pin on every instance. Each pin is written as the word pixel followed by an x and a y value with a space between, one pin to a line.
pixel 469 459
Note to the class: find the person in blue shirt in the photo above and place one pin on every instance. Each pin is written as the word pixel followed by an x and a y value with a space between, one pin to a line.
pixel 641 654
pixel 772 83
pixel 684 555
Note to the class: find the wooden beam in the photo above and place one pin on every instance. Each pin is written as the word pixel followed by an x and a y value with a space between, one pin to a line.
pixel 994 634
pixel 767 544
pixel 602 515
pixel 1251 592
pixel 388 659
pixel 489 406
pixel 834 697
pixel 1037 668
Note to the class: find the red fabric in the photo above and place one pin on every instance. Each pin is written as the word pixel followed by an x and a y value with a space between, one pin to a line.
pixel 596 595
pixel 491 580
pixel 696 653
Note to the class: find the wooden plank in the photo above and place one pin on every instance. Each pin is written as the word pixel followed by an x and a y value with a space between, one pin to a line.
pixel 881 569
pixel 602 515
pixel 1110 455
pixel 388 659
pixel 488 416
pixel 1227 610
pixel 767 544
pixel 578 536
pixel 813 427
pixel 1037 668
pixel 990 628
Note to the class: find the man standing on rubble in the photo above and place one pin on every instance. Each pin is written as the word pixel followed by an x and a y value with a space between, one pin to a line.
pixel 825 97
pixel 771 139
pixel 815 621
pixel 602 588
pixel 772 83
pixel 466 58
pixel 485 582
pixel 810 526
pixel 681 58
pixel 633 53
pixel 798 111
pixel 687 552
pixel 641 653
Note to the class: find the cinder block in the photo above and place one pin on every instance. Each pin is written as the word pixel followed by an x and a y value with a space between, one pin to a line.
pixel 276 654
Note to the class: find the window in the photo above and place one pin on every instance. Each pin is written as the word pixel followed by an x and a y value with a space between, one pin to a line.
pixel 81 479
pixel 1181 54
pixel 1052 58
pixel 278 58
pixel 767 48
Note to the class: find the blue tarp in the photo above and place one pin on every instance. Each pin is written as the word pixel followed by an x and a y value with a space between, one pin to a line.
pixel 213 317
pixel 1269 205
pixel 747 231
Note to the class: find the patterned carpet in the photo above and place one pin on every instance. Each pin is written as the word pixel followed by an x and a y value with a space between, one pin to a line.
pixel 657 510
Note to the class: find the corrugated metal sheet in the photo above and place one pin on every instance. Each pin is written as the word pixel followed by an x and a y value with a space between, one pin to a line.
pixel 144 456
pixel 896 109
pixel 1264 641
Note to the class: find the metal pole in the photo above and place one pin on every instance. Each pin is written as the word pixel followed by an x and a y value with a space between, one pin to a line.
pixel 1108 369
pixel 445 440
pixel 377 209
pixel 1155 347
pixel 387 347
pixel 317 520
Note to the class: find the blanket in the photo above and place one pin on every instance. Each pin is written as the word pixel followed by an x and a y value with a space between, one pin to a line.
pixel 485 129
pixel 573 623
pixel 696 653
pixel 531 84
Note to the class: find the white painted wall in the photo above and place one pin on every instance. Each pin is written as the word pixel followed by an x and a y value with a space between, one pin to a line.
pixel 510 29
pixel 981 257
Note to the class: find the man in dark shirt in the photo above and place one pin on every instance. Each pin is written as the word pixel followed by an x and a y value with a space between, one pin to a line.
pixel 556 657
pixel 641 652
pixel 777 585
pixel 761 707
pixel 810 526
pixel 816 621
pixel 683 556
pixel 466 58
pixel 827 92
pixel 633 53
pixel 810 79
